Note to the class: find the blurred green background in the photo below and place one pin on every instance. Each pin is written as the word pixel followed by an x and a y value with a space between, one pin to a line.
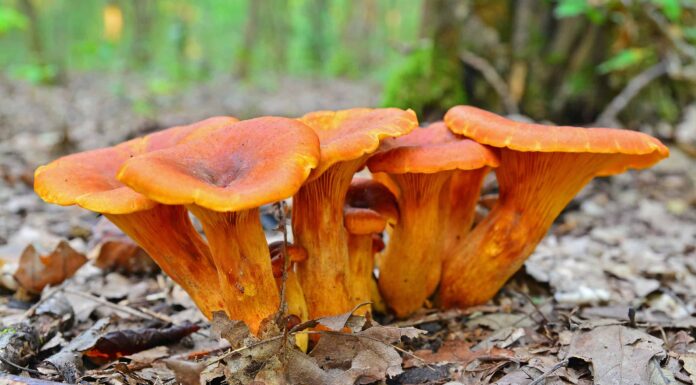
pixel 564 60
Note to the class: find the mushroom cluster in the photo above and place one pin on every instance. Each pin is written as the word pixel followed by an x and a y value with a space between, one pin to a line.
pixel 420 203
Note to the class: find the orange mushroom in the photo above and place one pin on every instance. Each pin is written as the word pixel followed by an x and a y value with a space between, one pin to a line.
pixel 541 169
pixel 421 165
pixel 347 138
pixel 222 179
pixel 88 179
pixel 369 205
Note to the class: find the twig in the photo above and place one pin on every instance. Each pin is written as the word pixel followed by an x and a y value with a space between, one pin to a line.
pixel 48 296
pixel 549 372
pixel 125 309
pixel 282 227
pixel 632 89
pixel 664 26
pixel 19 367
pixel 492 77
pixel 243 348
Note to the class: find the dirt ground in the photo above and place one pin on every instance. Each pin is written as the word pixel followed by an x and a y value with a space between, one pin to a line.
pixel 608 297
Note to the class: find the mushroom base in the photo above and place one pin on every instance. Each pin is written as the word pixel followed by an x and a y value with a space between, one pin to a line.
pixel 243 262
pixel 410 266
pixel 534 189
pixel 167 235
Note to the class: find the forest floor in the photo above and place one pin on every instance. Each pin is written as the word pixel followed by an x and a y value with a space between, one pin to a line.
pixel 609 296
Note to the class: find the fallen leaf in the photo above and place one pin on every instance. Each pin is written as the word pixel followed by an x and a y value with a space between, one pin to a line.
pixel 37 271
pixel 68 361
pixel 619 355
pixel 234 331
pixel 186 372
pixel 364 357
pixel 689 362
pixel 124 256
pixel 340 321
pixel 658 375
pixel 121 343
pixel 453 351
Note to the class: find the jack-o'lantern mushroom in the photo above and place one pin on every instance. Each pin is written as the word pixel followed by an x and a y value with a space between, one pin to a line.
pixel 369 206
pixel 88 179
pixel 541 169
pixel 421 165
pixel 223 179
pixel 347 139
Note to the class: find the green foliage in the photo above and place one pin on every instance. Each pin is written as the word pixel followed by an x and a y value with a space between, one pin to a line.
pixel 10 20
pixel 572 8
pixel 625 59
pixel 425 82
pixel 35 73
pixel 672 9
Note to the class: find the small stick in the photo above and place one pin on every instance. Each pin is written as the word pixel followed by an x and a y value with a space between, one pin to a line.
pixel 125 309
pixel 549 372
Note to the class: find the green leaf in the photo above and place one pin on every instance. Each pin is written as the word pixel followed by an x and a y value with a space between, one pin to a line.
pixel 11 19
pixel 570 8
pixel 624 59
pixel 670 8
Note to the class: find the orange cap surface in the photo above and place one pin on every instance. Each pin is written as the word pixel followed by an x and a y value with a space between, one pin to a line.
pixel 429 150
pixel 494 130
pixel 240 167
pixel 349 134
pixel 361 221
pixel 88 179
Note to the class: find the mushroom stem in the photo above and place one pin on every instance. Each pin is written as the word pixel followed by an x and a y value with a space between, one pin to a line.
pixel 239 250
pixel 167 235
pixel 410 266
pixel 360 270
pixel 317 224
pixel 459 205
pixel 534 189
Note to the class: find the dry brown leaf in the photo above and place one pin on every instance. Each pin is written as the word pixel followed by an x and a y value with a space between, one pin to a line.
pixel 618 354
pixel 453 351
pixel 37 271
pixel 689 362
pixel 186 372
pixel 124 256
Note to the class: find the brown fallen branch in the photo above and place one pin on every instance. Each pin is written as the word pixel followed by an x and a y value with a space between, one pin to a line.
pixel 493 78
pixel 620 101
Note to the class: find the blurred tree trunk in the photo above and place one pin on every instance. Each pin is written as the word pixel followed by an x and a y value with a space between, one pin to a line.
pixel 246 52
pixel 34 31
pixel 276 31
pixel 142 28
pixel 317 11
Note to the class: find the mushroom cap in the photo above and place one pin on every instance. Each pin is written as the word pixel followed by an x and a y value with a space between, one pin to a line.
pixel 244 165
pixel 361 221
pixel 640 150
pixel 349 134
pixel 88 179
pixel 430 150
pixel 365 193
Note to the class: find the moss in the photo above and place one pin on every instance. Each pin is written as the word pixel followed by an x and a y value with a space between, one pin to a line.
pixel 426 82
